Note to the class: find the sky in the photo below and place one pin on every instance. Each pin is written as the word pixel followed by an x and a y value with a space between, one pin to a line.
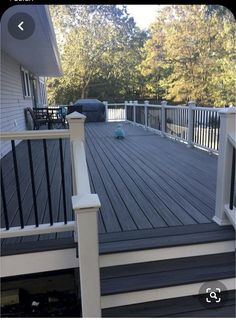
pixel 143 15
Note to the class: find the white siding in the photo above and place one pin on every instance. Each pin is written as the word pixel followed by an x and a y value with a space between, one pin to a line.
pixel 12 101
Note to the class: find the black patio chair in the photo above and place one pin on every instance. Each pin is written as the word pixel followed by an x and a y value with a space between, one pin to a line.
pixel 54 117
pixel 38 118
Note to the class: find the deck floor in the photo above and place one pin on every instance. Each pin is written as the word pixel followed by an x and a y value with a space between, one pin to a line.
pixel 143 181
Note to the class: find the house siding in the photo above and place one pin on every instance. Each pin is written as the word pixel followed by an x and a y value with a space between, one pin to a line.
pixel 12 102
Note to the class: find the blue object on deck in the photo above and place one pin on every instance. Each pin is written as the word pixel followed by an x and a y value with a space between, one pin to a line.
pixel 119 132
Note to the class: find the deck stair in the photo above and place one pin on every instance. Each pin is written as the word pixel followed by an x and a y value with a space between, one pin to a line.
pixel 172 265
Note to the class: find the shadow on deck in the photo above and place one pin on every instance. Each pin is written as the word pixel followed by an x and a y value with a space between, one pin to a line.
pixel 148 186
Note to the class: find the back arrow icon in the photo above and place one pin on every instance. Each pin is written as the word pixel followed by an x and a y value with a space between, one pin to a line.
pixel 20 25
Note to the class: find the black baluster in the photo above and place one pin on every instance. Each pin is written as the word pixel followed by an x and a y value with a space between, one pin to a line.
pixel 48 181
pixel 33 183
pixel 63 181
pixel 4 204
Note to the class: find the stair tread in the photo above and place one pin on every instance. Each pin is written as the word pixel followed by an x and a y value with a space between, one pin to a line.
pixel 176 307
pixel 160 232
pixel 167 241
pixel 153 275
pixel 134 240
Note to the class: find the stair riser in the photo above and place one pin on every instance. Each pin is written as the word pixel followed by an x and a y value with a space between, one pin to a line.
pixel 30 263
pixel 159 254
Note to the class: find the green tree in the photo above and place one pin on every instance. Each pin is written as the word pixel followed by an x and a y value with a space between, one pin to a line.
pixel 99 52
pixel 190 55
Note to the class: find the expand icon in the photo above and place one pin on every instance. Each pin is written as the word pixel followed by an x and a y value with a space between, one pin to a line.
pixel 213 295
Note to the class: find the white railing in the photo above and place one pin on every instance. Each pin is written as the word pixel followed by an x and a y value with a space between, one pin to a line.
pixel 85 206
pixel 225 210
pixel 35 229
pixel 196 126
pixel 115 112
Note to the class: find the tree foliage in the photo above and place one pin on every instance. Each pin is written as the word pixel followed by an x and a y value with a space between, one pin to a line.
pixel 187 54
pixel 99 54
pixel 190 55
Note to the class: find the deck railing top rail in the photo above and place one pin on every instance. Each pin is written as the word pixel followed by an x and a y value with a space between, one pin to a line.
pixel 146 103
pixel 115 104
pixel 34 135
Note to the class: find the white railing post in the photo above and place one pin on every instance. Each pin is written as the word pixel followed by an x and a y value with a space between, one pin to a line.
pixel 134 111
pixel 191 106
pixel 85 206
pixel 76 130
pixel 224 168
pixel 106 109
pixel 126 102
pixel 163 117
pixel 76 126
pixel 146 103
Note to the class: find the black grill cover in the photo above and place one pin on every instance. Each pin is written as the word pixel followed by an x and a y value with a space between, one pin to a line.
pixel 93 109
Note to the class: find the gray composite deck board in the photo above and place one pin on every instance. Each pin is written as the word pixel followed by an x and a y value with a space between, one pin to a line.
pixel 167 241
pixel 156 160
pixel 167 273
pixel 110 218
pixel 134 240
pixel 175 307
pixel 160 232
pixel 160 185
pixel 129 197
pixel 151 215
pixel 144 182
pixel 167 265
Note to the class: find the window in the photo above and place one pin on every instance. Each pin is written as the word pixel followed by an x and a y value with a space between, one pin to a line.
pixel 25 83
